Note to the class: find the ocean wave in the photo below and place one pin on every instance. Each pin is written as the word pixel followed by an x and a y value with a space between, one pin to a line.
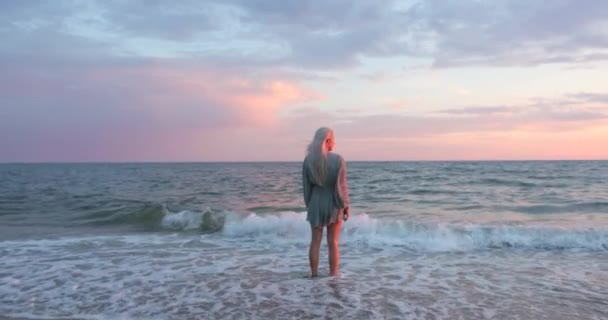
pixel 291 228
pixel 421 236
pixel 207 220
pixel 143 215
pixel 581 207
pixel 505 182
pixel 155 217
pixel 362 228
pixel 429 191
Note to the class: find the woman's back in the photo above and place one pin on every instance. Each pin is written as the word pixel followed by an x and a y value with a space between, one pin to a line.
pixel 333 165
pixel 325 199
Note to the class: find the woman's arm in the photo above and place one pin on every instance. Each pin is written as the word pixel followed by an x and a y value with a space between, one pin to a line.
pixel 342 186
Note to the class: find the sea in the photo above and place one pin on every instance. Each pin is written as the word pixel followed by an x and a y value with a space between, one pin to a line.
pixel 425 240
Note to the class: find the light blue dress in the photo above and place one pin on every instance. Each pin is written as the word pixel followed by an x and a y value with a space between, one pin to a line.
pixel 325 204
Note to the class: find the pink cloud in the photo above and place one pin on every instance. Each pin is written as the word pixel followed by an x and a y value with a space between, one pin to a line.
pixel 135 112
pixel 164 90
pixel 261 105
pixel 559 130
pixel 164 112
pixel 237 99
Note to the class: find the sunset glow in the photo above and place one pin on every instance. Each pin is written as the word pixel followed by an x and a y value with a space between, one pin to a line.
pixel 252 80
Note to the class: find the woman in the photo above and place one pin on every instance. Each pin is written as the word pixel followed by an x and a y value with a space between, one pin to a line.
pixel 326 197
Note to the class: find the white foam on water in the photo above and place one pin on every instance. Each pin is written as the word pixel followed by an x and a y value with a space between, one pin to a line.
pixel 257 267
pixel 177 276
pixel 183 220
pixel 280 226
pixel 420 236
pixel 431 235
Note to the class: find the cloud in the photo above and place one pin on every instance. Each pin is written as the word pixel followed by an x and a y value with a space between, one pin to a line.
pixel 477 110
pixel 107 77
pixel 526 131
pixel 589 97
pixel 571 107
pixel 451 33
pixel 513 33
pixel 127 106
pixel 317 34
pixel 551 115
pixel 175 21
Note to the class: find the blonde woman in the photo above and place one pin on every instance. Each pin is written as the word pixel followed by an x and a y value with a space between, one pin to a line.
pixel 326 197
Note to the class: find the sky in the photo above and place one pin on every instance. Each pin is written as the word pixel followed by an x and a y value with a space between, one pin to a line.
pixel 251 80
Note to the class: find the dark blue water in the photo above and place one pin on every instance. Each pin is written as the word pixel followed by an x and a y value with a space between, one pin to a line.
pixel 429 240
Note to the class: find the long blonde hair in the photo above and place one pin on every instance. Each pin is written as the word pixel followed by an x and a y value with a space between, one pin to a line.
pixel 317 155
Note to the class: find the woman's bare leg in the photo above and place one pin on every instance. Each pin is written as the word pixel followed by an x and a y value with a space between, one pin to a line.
pixel 333 244
pixel 315 247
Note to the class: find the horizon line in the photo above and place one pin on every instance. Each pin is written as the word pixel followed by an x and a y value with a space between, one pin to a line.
pixel 284 161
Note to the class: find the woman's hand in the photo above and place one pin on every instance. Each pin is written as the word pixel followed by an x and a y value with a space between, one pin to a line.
pixel 346 213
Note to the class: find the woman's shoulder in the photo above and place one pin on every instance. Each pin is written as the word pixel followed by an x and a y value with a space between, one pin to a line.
pixel 336 156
